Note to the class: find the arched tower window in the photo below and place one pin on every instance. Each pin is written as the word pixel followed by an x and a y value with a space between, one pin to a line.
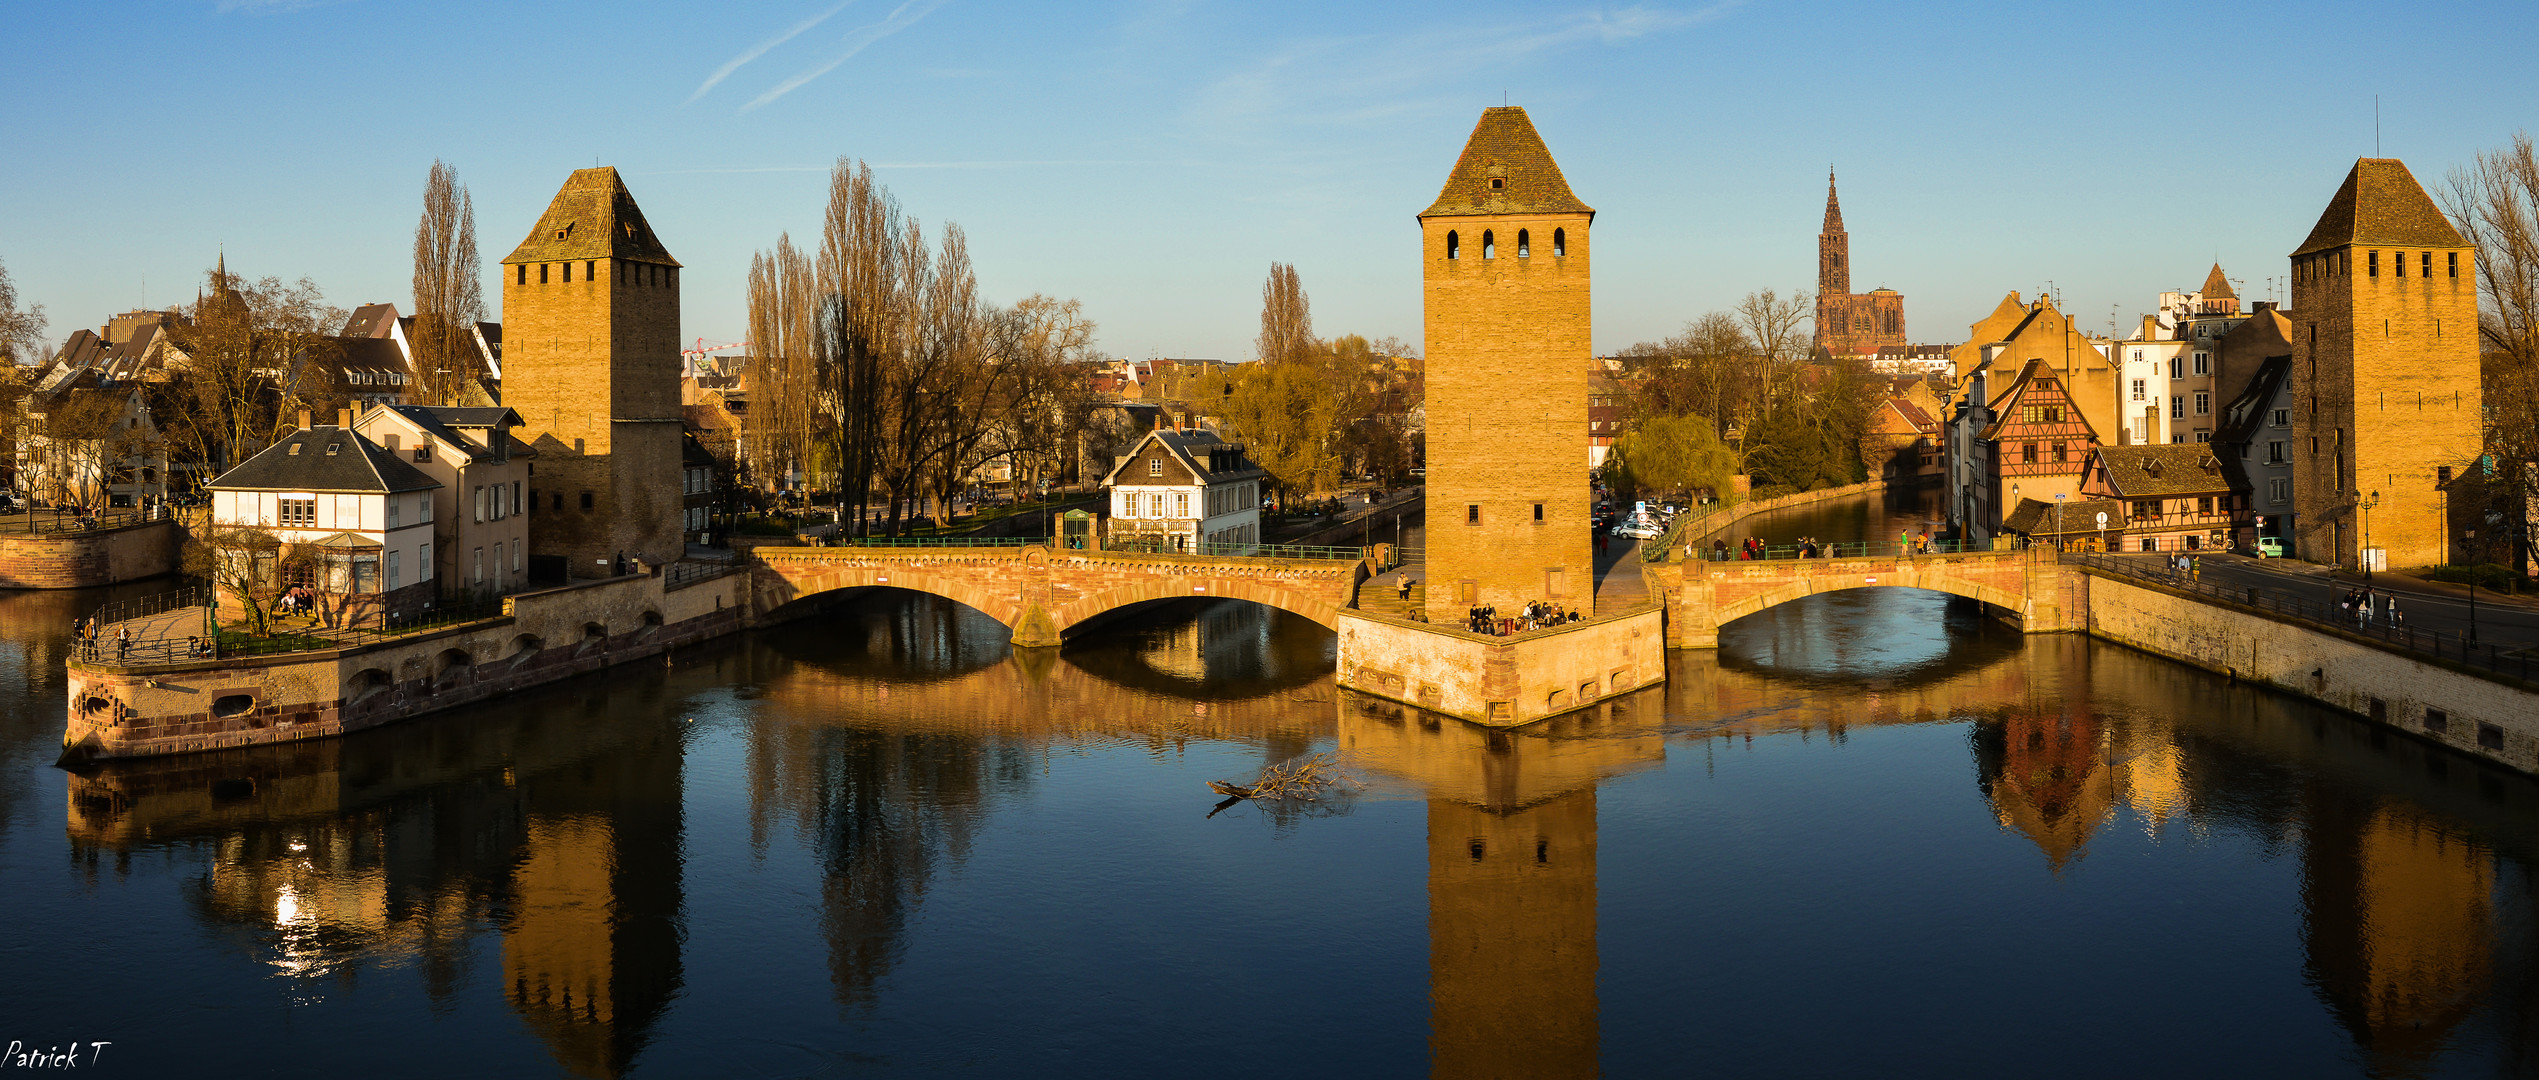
pixel 1489 245
pixel 1453 245
pixel 1560 243
pixel 1524 244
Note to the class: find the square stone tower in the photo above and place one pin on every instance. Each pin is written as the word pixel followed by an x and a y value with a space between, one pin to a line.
pixel 591 364
pixel 2385 370
pixel 1503 257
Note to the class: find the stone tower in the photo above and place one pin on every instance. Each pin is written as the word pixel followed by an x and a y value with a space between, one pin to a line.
pixel 1833 256
pixel 1503 256
pixel 2385 370
pixel 591 364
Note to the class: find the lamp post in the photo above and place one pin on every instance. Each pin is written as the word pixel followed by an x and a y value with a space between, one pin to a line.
pixel 2367 502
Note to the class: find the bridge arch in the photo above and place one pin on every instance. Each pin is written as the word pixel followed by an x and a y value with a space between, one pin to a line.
pixel 1269 593
pixel 1000 606
pixel 1801 588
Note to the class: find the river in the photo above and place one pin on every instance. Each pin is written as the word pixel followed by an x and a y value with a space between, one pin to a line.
pixel 1874 834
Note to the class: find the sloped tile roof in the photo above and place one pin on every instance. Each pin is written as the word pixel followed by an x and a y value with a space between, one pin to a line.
pixel 2381 203
pixel 1505 147
pixel 2163 470
pixel 357 465
pixel 592 217
pixel 2035 517
pixel 2217 287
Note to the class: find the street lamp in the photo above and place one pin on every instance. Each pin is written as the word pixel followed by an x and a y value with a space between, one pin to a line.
pixel 2367 502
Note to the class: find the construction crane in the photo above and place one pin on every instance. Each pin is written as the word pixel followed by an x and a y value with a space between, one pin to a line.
pixel 690 358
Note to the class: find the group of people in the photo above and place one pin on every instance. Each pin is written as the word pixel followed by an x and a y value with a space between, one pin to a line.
pixel 1913 543
pixel 2187 563
pixel 84 632
pixel 1533 616
pixel 2358 606
pixel 295 601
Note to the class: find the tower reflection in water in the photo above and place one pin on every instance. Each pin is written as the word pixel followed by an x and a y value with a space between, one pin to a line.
pixel 556 824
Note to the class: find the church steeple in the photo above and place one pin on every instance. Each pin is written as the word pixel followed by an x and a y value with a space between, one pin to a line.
pixel 1833 204
pixel 1833 250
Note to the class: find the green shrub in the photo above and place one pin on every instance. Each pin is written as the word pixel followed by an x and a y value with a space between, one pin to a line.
pixel 2483 575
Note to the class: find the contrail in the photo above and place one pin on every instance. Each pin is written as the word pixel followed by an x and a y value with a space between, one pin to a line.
pixel 899 19
pixel 737 62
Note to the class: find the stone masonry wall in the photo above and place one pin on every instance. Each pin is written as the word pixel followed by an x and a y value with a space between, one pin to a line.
pixel 85 559
pixel 1502 681
pixel 1509 344
pixel 2348 672
pixel 592 367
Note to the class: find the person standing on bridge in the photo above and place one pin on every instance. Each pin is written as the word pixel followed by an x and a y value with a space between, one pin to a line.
pixel 1405 584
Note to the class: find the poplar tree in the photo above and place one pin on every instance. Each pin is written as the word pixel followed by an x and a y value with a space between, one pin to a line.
pixel 449 295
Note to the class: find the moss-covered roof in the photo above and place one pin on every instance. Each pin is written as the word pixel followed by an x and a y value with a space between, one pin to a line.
pixel 592 217
pixel 2217 287
pixel 1505 169
pixel 2381 203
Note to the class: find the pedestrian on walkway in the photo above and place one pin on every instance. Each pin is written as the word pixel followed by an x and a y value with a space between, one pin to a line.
pixel 123 643
pixel 1405 584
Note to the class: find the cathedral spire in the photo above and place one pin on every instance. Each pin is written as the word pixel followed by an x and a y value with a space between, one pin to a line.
pixel 1833 205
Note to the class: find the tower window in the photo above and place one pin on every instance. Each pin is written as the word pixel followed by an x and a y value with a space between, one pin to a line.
pixel 2455 264
pixel 1472 513
pixel 1524 244
pixel 1560 243
pixel 1489 244
pixel 586 500
pixel 2424 265
pixel 1538 513
pixel 524 273
pixel 1451 244
pixel 590 270
pixel 542 273
pixel 568 273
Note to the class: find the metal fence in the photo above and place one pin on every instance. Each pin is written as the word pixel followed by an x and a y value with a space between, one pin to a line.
pixel 1854 549
pixel 2451 645
pixel 936 541
pixel 687 572
pixel 38 522
pixel 134 632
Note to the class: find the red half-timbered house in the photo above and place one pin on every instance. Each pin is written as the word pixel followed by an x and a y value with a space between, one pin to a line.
pixel 2038 445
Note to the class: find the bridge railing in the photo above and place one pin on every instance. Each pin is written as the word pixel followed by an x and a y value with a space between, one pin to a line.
pixel 937 541
pixel 1855 549
pixel 2450 645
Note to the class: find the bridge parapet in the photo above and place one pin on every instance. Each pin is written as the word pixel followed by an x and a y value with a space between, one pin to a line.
pixel 1702 596
pixel 1042 593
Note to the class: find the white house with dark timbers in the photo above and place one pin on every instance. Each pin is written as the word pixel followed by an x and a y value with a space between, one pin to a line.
pixel 1184 491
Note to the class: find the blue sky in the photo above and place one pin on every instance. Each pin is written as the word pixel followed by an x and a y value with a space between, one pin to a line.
pixel 1152 159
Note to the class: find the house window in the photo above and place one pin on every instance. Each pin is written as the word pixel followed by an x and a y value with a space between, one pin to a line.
pixel 2059 454
pixel 515 548
pixel 396 571
pixel 298 512
pixel 2027 453
pixel 2203 402
pixel 2139 387
pixel 1181 505
pixel 2203 436
pixel 1154 466
pixel 2177 408
pixel 2437 721
pixel 2280 418
pixel 2177 368
pixel 1155 505
pixel 2279 489
pixel 479 577
pixel 481 503
pixel 2203 363
pixel 422 452
pixel 423 561
pixel 2275 454
pixel 392 513
pixel 2203 504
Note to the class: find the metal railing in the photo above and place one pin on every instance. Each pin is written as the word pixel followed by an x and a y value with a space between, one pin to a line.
pixel 935 541
pixel 186 641
pixel 2450 645
pixel 687 572
pixel 65 520
pixel 1856 549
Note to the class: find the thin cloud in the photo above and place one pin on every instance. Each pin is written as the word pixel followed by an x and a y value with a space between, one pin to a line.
pixel 900 18
pixel 753 53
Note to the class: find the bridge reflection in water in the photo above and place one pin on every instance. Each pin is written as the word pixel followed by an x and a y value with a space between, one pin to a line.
pixel 556 825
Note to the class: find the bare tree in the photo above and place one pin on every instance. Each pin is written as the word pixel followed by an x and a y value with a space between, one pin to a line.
pixel 788 394
pixel 1287 320
pixel 243 561
pixel 1771 325
pixel 2495 202
pixel 21 329
pixel 448 293
pixel 250 355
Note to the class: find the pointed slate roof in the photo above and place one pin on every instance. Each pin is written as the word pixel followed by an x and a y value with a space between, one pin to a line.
pixel 1505 147
pixel 2217 287
pixel 592 217
pixel 302 461
pixel 1833 205
pixel 2381 203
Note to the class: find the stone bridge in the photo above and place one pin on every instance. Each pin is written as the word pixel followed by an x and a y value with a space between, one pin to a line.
pixel 1041 594
pixel 2026 586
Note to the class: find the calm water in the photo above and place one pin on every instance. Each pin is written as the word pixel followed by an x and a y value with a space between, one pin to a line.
pixel 1873 835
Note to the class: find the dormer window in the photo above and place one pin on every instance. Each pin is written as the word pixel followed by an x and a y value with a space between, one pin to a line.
pixel 422 452
pixel 564 232
pixel 331 448
pixel 1498 183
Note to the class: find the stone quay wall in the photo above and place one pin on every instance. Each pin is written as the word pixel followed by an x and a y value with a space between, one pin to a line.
pixel 79 560
pixel 1502 682
pixel 2475 713
pixel 120 711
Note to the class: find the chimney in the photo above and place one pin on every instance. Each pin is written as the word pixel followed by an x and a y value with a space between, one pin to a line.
pixel 304 419
pixel 344 418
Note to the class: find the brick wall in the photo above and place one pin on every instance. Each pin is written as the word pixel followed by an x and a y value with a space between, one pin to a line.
pixel 82 560
pixel 1509 343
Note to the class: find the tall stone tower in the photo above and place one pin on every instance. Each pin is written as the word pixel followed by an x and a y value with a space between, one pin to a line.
pixel 1503 256
pixel 591 364
pixel 1833 257
pixel 2385 370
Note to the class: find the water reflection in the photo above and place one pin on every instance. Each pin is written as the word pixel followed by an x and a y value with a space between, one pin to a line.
pixel 543 854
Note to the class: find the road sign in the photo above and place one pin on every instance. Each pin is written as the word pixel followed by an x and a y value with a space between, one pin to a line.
pixel 2102 519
